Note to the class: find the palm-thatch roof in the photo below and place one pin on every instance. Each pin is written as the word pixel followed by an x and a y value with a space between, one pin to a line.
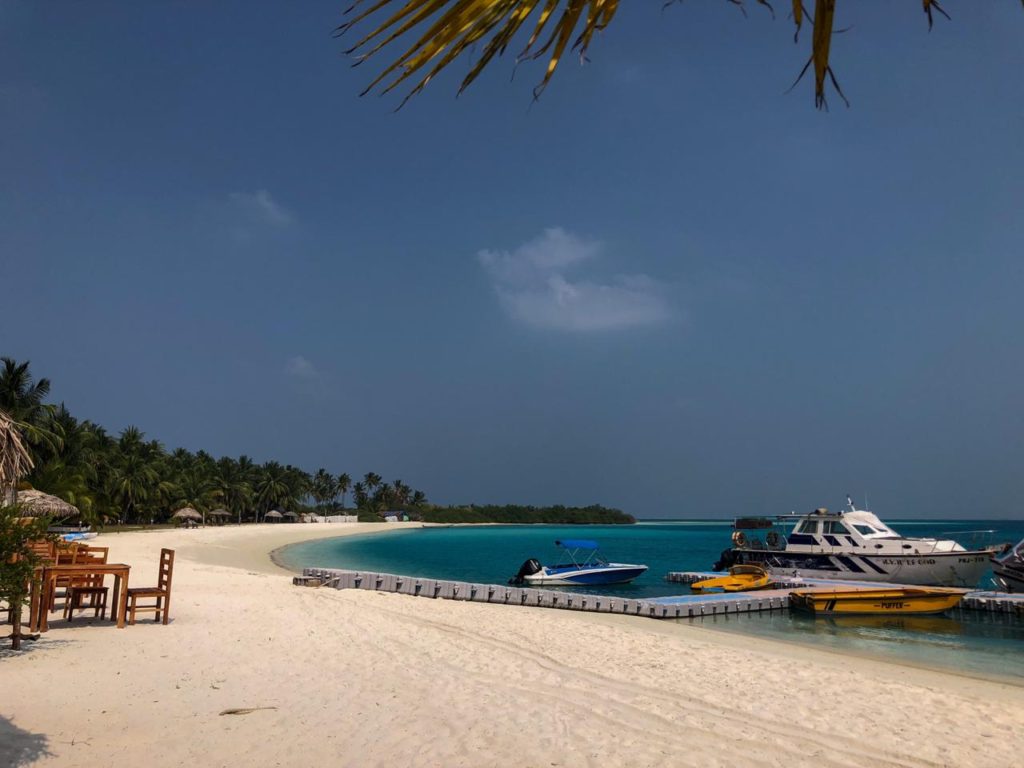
pixel 15 461
pixel 291 514
pixel 186 513
pixel 219 513
pixel 273 514
pixel 36 504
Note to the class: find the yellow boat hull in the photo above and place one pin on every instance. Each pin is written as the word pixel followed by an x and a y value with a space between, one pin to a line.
pixel 892 601
pixel 741 578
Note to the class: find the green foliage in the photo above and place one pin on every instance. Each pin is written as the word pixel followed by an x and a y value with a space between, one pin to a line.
pixel 17 561
pixel 522 515
pixel 134 480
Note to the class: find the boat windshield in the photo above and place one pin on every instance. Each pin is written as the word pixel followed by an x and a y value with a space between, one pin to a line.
pixel 579 553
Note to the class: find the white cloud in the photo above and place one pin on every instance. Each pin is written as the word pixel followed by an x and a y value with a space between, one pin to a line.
pixel 261 206
pixel 300 368
pixel 533 287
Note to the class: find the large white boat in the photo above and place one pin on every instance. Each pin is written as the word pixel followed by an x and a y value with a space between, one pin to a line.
pixel 1008 568
pixel 854 545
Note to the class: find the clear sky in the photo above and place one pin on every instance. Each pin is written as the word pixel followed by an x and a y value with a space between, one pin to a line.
pixel 667 286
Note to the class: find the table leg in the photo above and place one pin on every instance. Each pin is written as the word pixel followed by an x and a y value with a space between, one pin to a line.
pixel 33 605
pixel 123 608
pixel 49 586
pixel 115 600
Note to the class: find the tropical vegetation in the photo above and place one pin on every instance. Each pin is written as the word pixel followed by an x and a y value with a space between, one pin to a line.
pixel 17 562
pixel 132 479
pixel 129 478
pixel 512 513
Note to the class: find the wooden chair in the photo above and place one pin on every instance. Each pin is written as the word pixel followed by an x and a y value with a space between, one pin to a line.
pixel 88 586
pixel 162 592
pixel 66 554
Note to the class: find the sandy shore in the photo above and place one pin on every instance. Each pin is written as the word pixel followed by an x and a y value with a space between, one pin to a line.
pixel 365 679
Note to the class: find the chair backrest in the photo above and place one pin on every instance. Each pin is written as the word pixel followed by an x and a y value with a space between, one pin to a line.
pixel 44 548
pixel 93 554
pixel 67 554
pixel 166 569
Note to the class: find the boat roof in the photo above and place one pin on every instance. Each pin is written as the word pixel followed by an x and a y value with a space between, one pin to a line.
pixel 577 544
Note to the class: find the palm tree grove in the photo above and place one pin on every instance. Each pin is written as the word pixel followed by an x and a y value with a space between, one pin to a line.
pixel 130 479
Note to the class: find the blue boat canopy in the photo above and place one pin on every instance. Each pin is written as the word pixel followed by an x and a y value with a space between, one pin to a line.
pixel 577 544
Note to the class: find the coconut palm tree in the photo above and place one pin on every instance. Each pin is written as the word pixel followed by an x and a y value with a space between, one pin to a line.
pixel 131 482
pixel 271 485
pixel 445 29
pixel 359 495
pixel 232 481
pixel 344 484
pixel 400 492
pixel 21 397
pixel 197 489
pixel 323 488
pixel 371 480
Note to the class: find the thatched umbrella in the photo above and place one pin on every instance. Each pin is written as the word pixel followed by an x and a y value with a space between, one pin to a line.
pixel 15 461
pixel 186 513
pixel 273 515
pixel 219 514
pixel 37 504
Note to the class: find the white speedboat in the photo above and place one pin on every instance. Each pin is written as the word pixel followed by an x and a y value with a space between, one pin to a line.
pixel 1008 568
pixel 584 567
pixel 855 545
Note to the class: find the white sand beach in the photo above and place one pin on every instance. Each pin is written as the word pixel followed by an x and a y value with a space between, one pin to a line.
pixel 353 678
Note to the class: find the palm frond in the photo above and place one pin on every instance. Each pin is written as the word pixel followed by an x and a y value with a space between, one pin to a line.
pixel 453 27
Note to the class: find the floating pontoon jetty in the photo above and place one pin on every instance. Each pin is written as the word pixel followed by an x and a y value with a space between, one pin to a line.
pixel 675 607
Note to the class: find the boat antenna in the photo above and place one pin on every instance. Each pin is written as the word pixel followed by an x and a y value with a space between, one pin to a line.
pixel 849 503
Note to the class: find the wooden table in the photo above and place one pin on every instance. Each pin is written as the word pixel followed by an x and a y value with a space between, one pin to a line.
pixel 119 605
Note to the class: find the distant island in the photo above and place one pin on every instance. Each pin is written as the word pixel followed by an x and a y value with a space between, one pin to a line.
pixel 513 513
pixel 129 479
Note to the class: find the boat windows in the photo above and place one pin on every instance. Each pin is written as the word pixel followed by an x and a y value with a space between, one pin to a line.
pixel 836 527
pixel 807 526
pixel 867 530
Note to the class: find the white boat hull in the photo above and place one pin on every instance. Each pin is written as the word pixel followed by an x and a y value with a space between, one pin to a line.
pixel 612 573
pixel 945 569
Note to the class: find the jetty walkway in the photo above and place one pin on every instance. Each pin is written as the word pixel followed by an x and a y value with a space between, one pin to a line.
pixel 686 606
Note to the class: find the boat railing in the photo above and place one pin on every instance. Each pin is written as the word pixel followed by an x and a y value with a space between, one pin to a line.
pixel 979 539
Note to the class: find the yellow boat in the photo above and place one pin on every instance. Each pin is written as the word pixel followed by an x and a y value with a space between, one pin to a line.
pixel 892 600
pixel 741 578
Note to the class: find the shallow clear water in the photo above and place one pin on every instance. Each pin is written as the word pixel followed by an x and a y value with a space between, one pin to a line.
pixel 971 643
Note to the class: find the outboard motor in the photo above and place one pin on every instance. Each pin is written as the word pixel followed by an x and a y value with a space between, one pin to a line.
pixel 726 560
pixel 528 568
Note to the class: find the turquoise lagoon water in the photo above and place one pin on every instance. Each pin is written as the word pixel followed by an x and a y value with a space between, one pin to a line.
pixel 971 643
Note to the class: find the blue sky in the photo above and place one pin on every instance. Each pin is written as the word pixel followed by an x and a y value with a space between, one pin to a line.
pixel 667 286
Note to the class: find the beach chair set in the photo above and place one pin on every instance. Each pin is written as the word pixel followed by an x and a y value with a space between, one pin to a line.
pixel 76 572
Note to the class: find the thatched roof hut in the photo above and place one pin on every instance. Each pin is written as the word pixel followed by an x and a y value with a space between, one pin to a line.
pixel 37 504
pixel 219 513
pixel 15 461
pixel 273 515
pixel 186 513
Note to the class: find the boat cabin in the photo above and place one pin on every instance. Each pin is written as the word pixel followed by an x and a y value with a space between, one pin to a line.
pixel 851 530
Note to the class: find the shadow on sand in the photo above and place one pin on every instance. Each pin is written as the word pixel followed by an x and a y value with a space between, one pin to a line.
pixel 18 747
